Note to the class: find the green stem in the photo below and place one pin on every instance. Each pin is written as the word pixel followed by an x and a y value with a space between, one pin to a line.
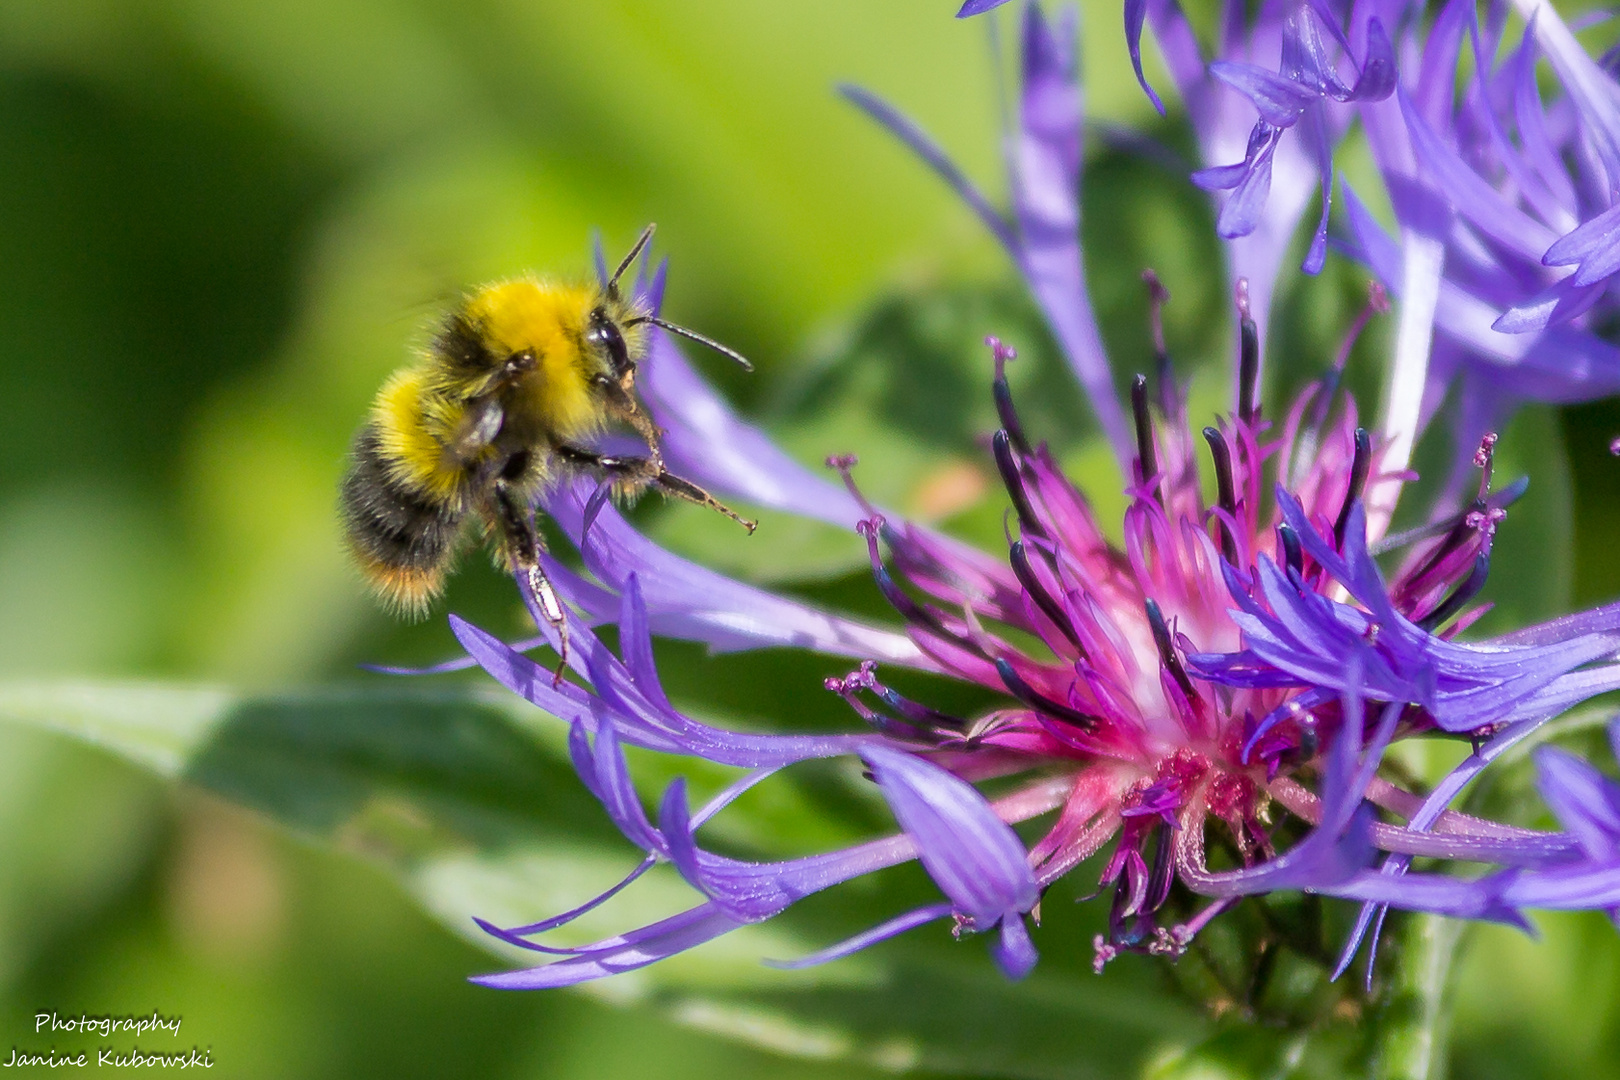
pixel 1415 1024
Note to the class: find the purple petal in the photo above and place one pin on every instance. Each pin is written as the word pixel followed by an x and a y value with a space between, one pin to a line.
pixel 1565 627
pixel 635 719
pixel 1316 133
pixel 1525 174
pixel 1591 90
pixel 1560 365
pixel 635 644
pixel 1135 14
pixel 628 952
pixel 1588 805
pixel 867 938
pixel 1046 204
pixel 1426 815
pixel 974 856
pixel 519 674
pixel 706 442
pixel 514 934
pixel 1436 72
pixel 1015 953
pixel 676 825
pixel 1558 303
pixel 978 7
pixel 1178 45
pixel 1220 177
pixel 1377 79
pixel 1584 887
pixel 907 131
pixel 1474 198
pixel 1241 212
pixel 1318 863
pixel 1530 118
pixel 611 784
pixel 1595 246
pixel 1586 802
pixel 1432 893
pixel 1279 100
pixel 690 601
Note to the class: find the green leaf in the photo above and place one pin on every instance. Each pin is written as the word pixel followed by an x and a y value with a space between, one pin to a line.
pixel 468 799
pixel 155 727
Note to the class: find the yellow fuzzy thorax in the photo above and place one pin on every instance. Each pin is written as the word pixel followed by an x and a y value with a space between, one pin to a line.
pixel 549 320
pixel 420 409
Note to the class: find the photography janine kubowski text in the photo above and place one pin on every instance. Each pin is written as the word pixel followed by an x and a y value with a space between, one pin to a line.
pixel 107 1055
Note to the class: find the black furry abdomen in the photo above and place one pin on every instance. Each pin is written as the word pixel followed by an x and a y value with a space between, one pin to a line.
pixel 393 529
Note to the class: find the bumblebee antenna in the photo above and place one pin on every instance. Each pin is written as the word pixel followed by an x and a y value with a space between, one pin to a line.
pixel 693 335
pixel 641 242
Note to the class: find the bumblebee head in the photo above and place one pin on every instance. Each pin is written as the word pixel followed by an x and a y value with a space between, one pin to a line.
pixel 614 342
pixel 612 330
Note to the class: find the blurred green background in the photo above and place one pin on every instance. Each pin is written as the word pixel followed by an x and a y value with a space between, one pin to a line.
pixel 222 224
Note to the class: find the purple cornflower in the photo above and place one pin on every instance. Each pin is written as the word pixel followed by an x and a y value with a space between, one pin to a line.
pixel 1240 657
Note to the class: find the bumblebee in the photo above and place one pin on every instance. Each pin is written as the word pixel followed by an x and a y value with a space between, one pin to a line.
pixel 502 405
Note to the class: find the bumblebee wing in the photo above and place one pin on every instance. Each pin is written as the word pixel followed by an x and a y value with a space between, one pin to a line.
pixel 476 429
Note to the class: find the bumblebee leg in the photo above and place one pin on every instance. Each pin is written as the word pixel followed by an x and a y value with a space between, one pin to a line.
pixel 622 404
pixel 671 484
pixel 523 545
pixel 636 474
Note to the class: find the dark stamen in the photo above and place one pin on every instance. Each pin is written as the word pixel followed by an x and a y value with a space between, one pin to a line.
pixel 1170 402
pixel 1225 490
pixel 1003 394
pixel 1117 932
pixel 1358 480
pixel 1167 649
pixel 888 725
pixel 1465 524
pixel 1147 459
pixel 849 689
pixel 1026 693
pixel 1158 296
pixel 897 597
pixel 1459 534
pixel 918 713
pixel 1464 592
pixel 1293 555
pixel 1162 875
pixel 1012 478
pixel 1248 356
pixel 909 559
pixel 1455 525
pixel 1377 304
pixel 1037 592
pixel 843 464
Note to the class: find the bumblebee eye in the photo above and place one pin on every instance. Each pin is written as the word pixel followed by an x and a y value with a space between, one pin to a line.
pixel 604 336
